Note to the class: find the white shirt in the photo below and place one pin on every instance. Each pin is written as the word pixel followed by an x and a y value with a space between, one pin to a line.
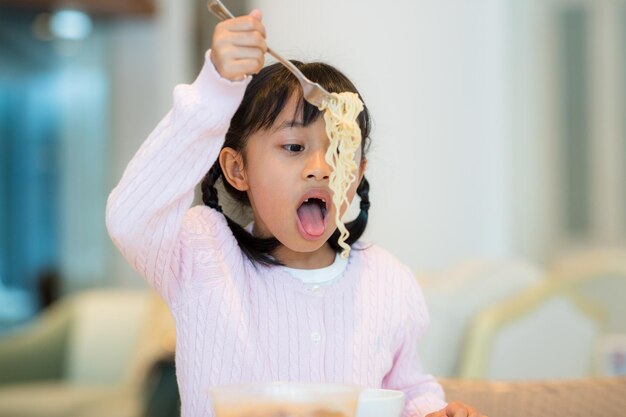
pixel 323 275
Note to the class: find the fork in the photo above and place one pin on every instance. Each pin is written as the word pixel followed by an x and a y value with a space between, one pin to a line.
pixel 313 92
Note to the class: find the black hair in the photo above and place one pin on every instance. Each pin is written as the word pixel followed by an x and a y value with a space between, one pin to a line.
pixel 265 97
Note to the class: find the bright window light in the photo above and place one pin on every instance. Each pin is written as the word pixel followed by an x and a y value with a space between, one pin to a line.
pixel 70 24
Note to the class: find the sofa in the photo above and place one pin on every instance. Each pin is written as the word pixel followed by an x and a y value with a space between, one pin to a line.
pixel 87 355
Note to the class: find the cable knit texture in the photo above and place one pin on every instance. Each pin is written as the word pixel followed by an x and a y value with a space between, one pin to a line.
pixel 239 322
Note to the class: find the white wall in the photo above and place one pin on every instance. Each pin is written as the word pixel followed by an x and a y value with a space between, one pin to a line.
pixel 435 76
pixel 540 200
pixel 149 57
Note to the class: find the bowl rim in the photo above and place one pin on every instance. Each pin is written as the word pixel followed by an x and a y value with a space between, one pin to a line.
pixel 387 394
pixel 268 390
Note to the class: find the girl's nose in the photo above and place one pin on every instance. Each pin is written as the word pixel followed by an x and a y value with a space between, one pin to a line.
pixel 317 168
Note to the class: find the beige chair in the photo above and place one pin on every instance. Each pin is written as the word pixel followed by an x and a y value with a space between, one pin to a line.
pixel 454 297
pixel 87 354
pixel 599 276
pixel 588 397
pixel 553 329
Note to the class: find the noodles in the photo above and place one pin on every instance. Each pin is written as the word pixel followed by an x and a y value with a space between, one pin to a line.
pixel 340 113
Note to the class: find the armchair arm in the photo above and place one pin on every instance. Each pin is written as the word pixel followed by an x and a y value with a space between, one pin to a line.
pixel 37 352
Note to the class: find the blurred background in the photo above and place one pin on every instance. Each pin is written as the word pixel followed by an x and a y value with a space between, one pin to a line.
pixel 497 171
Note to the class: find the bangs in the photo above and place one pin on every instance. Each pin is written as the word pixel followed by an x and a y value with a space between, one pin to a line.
pixel 271 89
pixel 277 87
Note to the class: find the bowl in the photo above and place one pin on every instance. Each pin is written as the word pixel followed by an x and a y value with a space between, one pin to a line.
pixel 378 402
pixel 281 399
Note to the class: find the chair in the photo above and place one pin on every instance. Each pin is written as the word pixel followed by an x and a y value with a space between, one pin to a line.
pixel 551 330
pixel 585 397
pixel 88 353
pixel 599 276
pixel 455 295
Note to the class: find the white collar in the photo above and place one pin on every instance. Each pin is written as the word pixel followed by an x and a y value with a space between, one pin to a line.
pixel 315 276
pixel 320 275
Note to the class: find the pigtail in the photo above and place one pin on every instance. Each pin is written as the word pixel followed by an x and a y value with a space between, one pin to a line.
pixel 209 192
pixel 357 226
pixel 256 249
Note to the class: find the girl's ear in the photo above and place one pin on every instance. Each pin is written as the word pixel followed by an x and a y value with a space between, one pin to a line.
pixel 231 162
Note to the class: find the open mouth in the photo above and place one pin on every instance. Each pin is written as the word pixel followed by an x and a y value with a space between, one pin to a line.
pixel 312 216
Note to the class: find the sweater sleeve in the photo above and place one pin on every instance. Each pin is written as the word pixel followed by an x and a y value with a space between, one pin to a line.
pixel 423 394
pixel 146 209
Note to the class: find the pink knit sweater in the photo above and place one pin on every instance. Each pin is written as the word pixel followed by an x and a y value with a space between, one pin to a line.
pixel 239 322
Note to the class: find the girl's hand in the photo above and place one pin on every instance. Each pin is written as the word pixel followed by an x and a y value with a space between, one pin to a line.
pixel 456 409
pixel 238 46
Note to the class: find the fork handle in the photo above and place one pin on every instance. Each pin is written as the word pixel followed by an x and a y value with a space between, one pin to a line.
pixel 219 10
pixel 288 64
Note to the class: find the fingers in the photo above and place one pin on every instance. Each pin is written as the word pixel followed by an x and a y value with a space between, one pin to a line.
pixel 452 408
pixel 239 46
pixel 256 13
pixel 237 66
pixel 472 412
pixel 458 409
pixel 461 412
pixel 243 24
pixel 251 39
pixel 238 69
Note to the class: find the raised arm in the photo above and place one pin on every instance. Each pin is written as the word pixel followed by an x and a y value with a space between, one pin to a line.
pixel 145 211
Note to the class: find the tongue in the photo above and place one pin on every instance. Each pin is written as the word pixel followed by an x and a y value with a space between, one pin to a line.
pixel 311 217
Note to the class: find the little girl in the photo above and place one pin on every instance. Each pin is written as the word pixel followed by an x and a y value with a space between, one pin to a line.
pixel 272 301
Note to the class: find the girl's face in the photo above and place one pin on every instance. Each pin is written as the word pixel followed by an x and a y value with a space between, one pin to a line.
pixel 284 167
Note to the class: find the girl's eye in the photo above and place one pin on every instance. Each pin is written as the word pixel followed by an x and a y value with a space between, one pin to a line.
pixel 292 147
